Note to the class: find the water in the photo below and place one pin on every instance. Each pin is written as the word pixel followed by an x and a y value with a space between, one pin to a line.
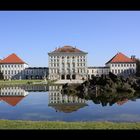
pixel 47 103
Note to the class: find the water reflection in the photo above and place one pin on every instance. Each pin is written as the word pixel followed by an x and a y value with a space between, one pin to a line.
pixel 61 99
pixel 102 98
pixel 14 94
pixel 62 102
pixel 39 102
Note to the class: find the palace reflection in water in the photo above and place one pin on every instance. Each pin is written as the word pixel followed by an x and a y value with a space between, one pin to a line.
pixel 39 102
pixel 14 94
pixel 64 103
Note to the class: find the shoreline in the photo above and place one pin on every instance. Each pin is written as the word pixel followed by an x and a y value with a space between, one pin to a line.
pixel 24 82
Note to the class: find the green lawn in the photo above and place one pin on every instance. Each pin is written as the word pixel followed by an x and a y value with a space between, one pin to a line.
pixel 8 124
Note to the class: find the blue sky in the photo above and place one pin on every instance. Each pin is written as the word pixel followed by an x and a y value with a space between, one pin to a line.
pixel 32 34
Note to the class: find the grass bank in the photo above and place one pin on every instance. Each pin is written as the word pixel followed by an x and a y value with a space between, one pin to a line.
pixel 12 82
pixel 10 124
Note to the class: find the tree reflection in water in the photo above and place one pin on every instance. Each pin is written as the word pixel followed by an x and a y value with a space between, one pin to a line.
pixel 103 98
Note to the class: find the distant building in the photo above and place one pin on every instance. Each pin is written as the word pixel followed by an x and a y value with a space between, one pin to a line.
pixel 36 72
pixel 122 65
pixel 67 63
pixel 97 71
pixel 12 67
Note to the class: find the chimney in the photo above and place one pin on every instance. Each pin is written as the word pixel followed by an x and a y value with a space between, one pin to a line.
pixel 133 57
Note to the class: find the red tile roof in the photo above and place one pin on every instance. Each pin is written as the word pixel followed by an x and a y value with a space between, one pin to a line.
pixel 12 59
pixel 13 101
pixel 120 58
pixel 67 49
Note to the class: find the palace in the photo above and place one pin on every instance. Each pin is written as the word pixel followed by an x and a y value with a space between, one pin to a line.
pixel 66 63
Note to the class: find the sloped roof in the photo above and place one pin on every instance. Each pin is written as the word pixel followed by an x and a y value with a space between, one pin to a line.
pixel 12 59
pixel 12 100
pixel 120 58
pixel 68 49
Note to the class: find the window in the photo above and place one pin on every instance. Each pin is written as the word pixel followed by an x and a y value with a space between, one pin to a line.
pixel 112 71
pixel 73 64
pixel 118 65
pixel 112 65
pixel 116 71
pixel 127 65
pixel 122 65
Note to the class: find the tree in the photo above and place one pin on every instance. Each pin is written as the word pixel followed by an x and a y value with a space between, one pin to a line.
pixel 1 76
pixel 138 67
